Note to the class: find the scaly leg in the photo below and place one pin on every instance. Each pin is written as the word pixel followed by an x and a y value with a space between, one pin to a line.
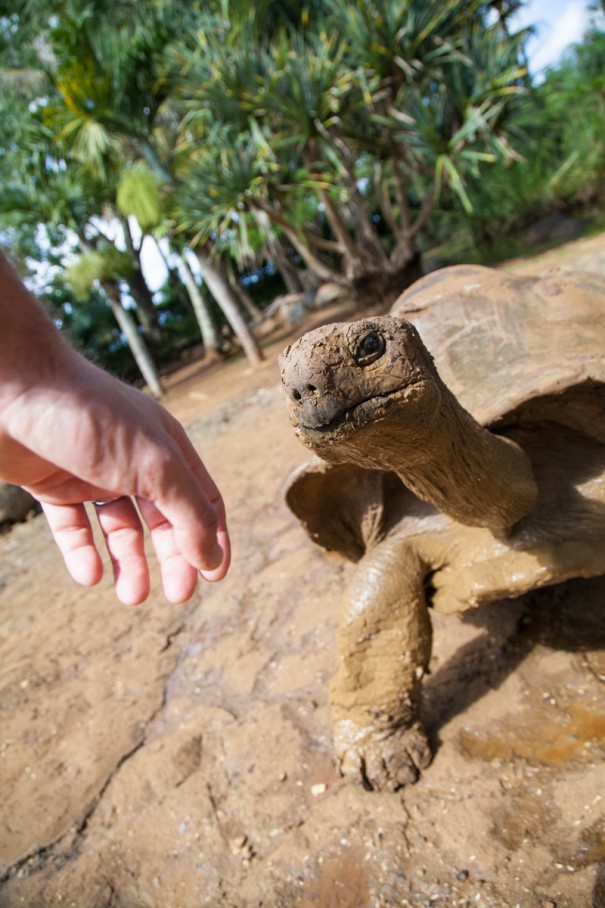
pixel 384 644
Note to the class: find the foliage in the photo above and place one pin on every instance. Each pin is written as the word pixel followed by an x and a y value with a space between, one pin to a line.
pixel 138 194
pixel 357 134
pixel 561 163
pixel 343 146
pixel 98 265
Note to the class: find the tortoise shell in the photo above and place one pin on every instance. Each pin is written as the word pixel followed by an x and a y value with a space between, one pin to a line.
pixel 514 349
pixel 502 340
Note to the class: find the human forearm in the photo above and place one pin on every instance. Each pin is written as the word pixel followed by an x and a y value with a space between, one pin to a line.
pixel 71 434
pixel 31 347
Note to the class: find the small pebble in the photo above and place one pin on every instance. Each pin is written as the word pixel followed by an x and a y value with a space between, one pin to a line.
pixel 237 844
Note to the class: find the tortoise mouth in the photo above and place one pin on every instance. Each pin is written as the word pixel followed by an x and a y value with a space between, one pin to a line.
pixel 350 420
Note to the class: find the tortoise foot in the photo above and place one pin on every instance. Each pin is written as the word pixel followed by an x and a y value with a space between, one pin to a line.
pixel 382 759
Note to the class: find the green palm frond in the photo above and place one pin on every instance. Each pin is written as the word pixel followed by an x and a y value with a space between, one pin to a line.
pixel 105 263
pixel 397 39
pixel 308 84
pixel 217 186
pixel 139 194
pixel 24 82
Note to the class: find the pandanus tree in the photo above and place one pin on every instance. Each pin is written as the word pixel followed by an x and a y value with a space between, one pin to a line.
pixel 107 108
pixel 106 266
pixel 67 202
pixel 333 128
pixel 50 210
pixel 144 197
pixel 135 118
pixel 139 196
pixel 344 134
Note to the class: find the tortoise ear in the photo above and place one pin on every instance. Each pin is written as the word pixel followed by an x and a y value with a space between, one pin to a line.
pixel 341 506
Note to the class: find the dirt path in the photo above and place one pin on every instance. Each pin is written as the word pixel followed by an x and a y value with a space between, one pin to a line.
pixel 181 755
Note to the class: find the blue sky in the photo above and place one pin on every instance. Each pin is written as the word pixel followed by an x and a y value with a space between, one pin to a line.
pixel 559 23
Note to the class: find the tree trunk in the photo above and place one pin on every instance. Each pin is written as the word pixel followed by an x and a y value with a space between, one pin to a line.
pixel 289 272
pixel 200 307
pixel 224 295
pixel 299 242
pixel 146 310
pixel 135 341
pixel 247 302
pixel 381 287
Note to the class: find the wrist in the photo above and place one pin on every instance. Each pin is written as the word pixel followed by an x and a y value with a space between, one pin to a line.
pixel 32 350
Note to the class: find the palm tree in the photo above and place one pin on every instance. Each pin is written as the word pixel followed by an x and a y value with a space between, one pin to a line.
pixel 104 266
pixel 40 189
pixel 260 123
pixel 140 195
pixel 107 65
pixel 220 288
pixel 342 146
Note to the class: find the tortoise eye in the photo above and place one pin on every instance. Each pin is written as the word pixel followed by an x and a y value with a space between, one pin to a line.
pixel 370 348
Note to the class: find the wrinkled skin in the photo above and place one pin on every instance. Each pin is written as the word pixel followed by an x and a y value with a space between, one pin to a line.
pixel 389 409
pixel 412 486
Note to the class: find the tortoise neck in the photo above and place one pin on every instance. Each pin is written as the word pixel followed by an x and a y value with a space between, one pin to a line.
pixel 450 461
pixel 475 476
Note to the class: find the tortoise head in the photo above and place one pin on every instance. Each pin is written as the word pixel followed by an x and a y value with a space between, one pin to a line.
pixel 368 393
pixel 344 382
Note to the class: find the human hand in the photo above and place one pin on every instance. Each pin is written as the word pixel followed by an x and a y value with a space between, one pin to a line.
pixel 79 435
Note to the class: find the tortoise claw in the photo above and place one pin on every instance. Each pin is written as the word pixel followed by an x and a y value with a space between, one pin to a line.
pixel 382 760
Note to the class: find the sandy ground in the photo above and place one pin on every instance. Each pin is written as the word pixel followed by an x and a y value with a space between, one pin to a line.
pixel 180 756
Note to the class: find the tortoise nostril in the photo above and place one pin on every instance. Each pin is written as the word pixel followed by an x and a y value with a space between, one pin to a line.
pixel 303 393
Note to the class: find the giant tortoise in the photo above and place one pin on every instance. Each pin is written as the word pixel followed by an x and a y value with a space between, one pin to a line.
pixel 469 474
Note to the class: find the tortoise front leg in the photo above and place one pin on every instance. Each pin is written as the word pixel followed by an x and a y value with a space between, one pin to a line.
pixel 384 644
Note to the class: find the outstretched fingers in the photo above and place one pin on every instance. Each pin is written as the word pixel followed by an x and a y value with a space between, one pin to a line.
pixel 183 509
pixel 124 539
pixel 179 577
pixel 123 533
pixel 73 534
pixel 203 538
pixel 222 551
pixel 195 510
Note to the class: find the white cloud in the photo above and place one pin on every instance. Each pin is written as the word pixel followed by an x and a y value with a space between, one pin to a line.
pixel 558 24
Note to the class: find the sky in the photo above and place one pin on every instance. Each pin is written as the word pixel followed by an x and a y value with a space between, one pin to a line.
pixel 558 24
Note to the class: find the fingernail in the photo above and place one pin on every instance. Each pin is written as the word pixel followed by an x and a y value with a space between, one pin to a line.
pixel 214 559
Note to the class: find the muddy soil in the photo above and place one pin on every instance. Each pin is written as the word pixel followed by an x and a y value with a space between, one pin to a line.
pixel 180 756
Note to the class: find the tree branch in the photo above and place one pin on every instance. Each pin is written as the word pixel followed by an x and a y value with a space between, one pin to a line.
pixel 425 212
